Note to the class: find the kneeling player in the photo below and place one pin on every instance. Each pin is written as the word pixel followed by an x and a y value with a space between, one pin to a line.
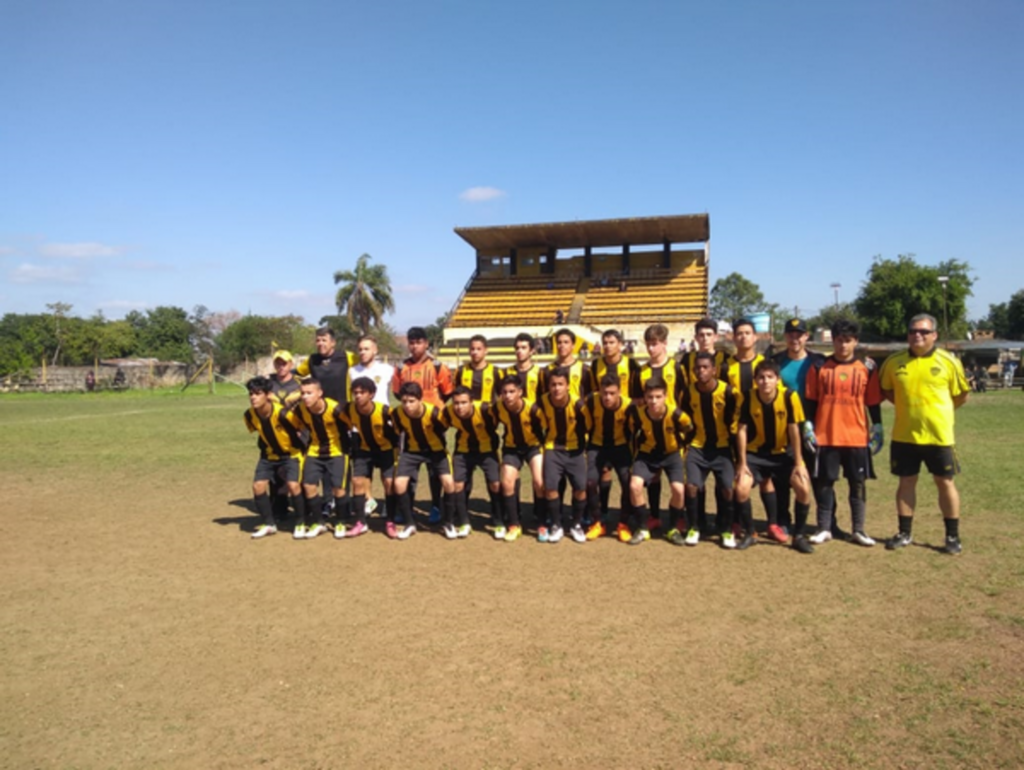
pixel 424 429
pixel 660 437
pixel 280 454
pixel 476 446
pixel 608 453
pixel 374 444
pixel 524 435
pixel 768 451
pixel 565 430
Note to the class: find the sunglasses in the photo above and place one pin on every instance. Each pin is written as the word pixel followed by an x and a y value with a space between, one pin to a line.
pixel 922 332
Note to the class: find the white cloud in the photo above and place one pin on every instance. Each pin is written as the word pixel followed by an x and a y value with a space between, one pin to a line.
pixel 481 194
pixel 85 250
pixel 27 273
pixel 290 294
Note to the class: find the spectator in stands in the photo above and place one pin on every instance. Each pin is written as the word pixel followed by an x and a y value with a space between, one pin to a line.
pixel 622 285
pixel 559 317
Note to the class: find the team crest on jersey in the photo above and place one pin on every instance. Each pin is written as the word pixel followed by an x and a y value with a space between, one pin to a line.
pixel 936 371
pixel 843 376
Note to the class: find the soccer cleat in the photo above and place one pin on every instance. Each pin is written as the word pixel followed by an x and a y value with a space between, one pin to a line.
pixel 357 529
pixel 577 534
pixel 542 534
pixel 435 515
pixel 407 532
pixel 952 547
pixel 263 530
pixel 802 545
pixel 861 539
pixel 315 531
pixel 821 536
pixel 391 530
pixel 555 534
pixel 897 541
pixel 299 533
pixel 729 540
pixel 449 531
pixel 746 542
pixel 499 533
pixel 622 532
pixel 371 506
pixel 675 537
pixel 464 530
pixel 339 531
pixel 692 537
pixel 775 533
pixel 639 536
pixel 513 534
pixel 596 530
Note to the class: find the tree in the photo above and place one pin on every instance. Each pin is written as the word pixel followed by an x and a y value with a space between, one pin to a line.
pixel 164 333
pixel 435 332
pixel 898 289
pixel 735 297
pixel 365 295
pixel 831 313
pixel 253 336
pixel 1006 320
pixel 59 311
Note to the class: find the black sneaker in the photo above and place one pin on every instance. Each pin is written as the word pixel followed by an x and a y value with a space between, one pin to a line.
pixel 746 542
pixel 802 545
pixel 676 537
pixel 838 533
pixel 952 545
pixel 899 540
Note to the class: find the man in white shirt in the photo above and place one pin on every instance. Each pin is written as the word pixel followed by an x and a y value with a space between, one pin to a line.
pixel 369 366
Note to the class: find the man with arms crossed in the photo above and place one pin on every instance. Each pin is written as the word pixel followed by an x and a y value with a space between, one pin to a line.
pixel 926 385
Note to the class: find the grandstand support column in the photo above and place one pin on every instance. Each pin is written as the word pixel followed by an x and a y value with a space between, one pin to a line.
pixel 666 255
pixel 513 261
pixel 588 262
pixel 625 259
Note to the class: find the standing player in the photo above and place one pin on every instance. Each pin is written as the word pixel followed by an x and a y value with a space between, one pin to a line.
pixel 843 392
pixel 476 374
pixel 374 442
pixel 609 452
pixel 523 426
pixel 739 370
pixel 280 454
pixel 565 430
pixel 476 446
pixel 329 366
pixel 768 431
pixel 705 337
pixel 424 429
pixel 529 373
pixel 565 358
pixel 381 373
pixel 285 387
pixel 712 406
pixel 926 385
pixel 613 361
pixel 659 432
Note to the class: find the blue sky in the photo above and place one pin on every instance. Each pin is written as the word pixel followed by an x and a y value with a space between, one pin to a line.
pixel 236 154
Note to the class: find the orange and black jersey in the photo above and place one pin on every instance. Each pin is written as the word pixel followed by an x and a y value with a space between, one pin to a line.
pixel 532 379
pixel 768 424
pixel 690 376
pixel 627 369
pixel 524 429
pixel 476 433
pixel 331 372
pixel 579 378
pixel 328 432
pixel 607 427
pixel 375 432
pixel 278 438
pixel 661 436
pixel 669 373
pixel 565 427
pixel 284 393
pixel 482 383
pixel 714 415
pixel 423 434
pixel 740 374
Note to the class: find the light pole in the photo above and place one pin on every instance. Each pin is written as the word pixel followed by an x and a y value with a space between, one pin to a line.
pixel 944 279
pixel 835 288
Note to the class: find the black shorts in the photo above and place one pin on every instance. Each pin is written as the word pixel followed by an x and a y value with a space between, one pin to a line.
pixel 561 463
pixel 855 462
pixel 905 459
pixel 330 470
pixel 363 464
pixel 517 458
pixel 438 464
pixel 465 463
pixel 601 459
pixel 647 467
pixel 776 467
pixel 700 462
pixel 289 469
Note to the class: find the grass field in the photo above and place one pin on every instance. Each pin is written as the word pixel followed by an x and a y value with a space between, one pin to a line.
pixel 141 627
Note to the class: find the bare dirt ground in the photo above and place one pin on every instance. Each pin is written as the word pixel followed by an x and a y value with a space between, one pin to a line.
pixel 141 627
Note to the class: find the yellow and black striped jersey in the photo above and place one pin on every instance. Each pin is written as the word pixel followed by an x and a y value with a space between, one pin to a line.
pixel 565 427
pixel 524 429
pixel 482 383
pixel 626 369
pixel 278 438
pixel 715 415
pixel 740 374
pixel 579 378
pixel 607 427
pixel 668 372
pixel 424 433
pixel 375 432
pixel 285 393
pixel 690 376
pixel 328 431
pixel 768 424
pixel 661 436
pixel 476 433
pixel 532 379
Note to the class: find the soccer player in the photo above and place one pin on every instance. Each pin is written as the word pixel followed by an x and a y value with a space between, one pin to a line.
pixel 368 366
pixel 926 385
pixel 613 361
pixel 284 386
pixel 768 431
pixel 565 431
pixel 476 446
pixel 609 452
pixel 659 432
pixel 705 337
pixel 844 392
pixel 280 454
pixel 326 460
pixel 523 426
pixel 712 406
pixel 565 358
pixel 374 442
pixel 739 369
pixel 476 374
pixel 424 430
pixel 530 374
pixel 329 366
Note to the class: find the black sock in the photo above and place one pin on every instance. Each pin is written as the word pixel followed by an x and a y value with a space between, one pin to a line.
pixel 341 508
pixel 746 514
pixel 771 506
pixel 496 508
pixel 800 513
pixel 264 508
pixel 404 508
pixel 906 523
pixel 952 527
pixel 606 492
pixel 391 501
pixel 299 506
pixel 359 507
pixel 510 503
pixel 314 510
pixel 643 513
pixel 653 501
pixel 693 511
pixel 447 508
pixel 678 518
pixel 579 507
pixel 462 507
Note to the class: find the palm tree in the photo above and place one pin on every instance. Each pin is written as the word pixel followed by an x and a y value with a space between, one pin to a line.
pixel 366 294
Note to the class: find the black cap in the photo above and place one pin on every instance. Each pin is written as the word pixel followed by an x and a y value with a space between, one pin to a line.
pixel 416 333
pixel 796 325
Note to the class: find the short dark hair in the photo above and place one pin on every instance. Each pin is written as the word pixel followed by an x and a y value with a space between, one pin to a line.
pixel 704 355
pixel 478 338
pixel 409 389
pixel 655 383
pixel 416 333
pixel 525 337
pixel 767 365
pixel 559 371
pixel 311 381
pixel 846 327
pixel 462 390
pixel 259 385
pixel 656 333
pixel 706 323
pixel 511 379
pixel 608 380
pixel 566 333
pixel 744 321
pixel 612 333
pixel 364 383
pixel 326 331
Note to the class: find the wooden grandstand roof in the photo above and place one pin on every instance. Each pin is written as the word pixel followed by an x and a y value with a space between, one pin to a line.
pixel 683 228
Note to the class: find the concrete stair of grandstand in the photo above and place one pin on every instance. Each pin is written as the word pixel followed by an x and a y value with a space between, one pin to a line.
pixel 656 294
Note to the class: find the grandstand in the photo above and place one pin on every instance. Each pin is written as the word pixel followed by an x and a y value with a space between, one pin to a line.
pixel 589 276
